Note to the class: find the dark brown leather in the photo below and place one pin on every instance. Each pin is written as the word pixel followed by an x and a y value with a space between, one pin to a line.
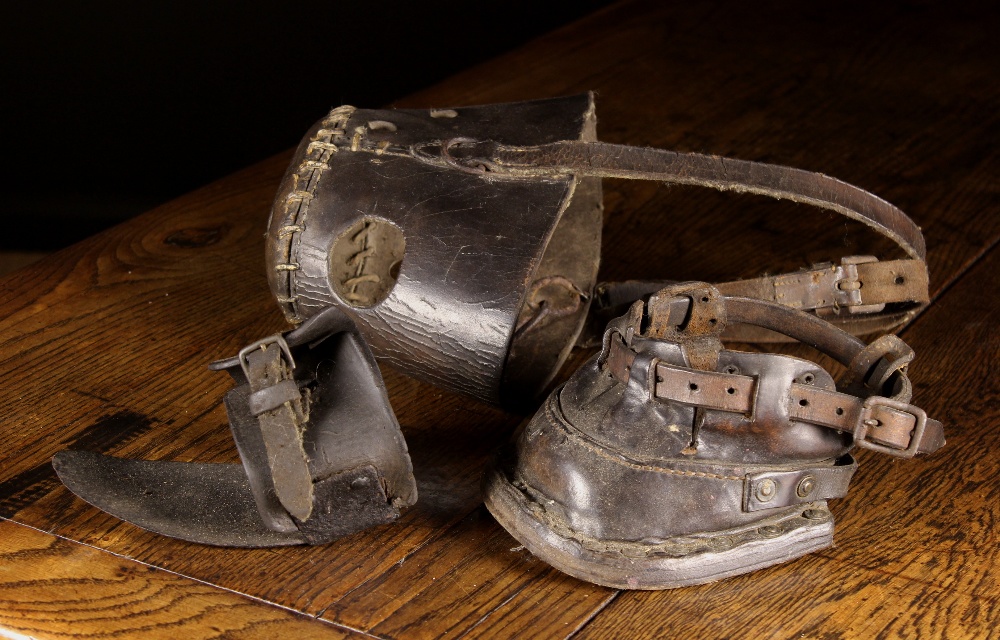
pixel 645 449
pixel 322 454
pixel 853 291
pixel 465 242
pixel 489 283
pixel 605 160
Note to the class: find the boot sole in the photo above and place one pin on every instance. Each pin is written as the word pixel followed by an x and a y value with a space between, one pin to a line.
pixel 664 565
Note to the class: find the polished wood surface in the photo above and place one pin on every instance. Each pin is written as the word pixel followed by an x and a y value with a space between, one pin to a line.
pixel 103 346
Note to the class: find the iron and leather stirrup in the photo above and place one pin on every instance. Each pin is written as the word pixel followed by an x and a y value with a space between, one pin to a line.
pixel 668 460
pixel 465 242
pixel 322 453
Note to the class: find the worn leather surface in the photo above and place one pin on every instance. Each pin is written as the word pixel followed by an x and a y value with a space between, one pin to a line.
pixel 357 469
pixel 322 456
pixel 465 242
pixel 204 503
pixel 472 247
pixel 855 296
pixel 642 443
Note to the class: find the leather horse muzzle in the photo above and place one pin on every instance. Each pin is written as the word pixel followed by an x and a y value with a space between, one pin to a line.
pixel 465 242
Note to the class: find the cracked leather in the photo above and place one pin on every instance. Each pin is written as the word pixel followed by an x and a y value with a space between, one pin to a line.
pixel 465 242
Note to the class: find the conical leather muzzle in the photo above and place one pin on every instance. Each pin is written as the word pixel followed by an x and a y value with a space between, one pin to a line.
pixel 465 242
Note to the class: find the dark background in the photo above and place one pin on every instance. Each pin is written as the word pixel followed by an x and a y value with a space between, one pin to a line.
pixel 110 108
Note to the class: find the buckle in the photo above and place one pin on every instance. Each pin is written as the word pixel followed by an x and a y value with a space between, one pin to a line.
pixel 278 339
pixel 848 285
pixel 868 408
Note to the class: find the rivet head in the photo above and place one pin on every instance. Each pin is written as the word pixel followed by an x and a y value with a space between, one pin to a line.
pixel 806 486
pixel 766 490
pixel 769 531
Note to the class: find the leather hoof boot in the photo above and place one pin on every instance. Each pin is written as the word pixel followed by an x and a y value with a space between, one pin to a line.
pixel 322 453
pixel 668 460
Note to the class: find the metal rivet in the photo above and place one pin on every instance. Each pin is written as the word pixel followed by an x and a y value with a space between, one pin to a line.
pixel 806 486
pixel 770 531
pixel 813 514
pixel 766 490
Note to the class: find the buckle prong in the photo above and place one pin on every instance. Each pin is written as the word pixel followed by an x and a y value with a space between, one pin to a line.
pixel 278 339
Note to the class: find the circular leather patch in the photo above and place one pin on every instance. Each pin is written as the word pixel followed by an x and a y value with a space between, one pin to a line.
pixel 365 262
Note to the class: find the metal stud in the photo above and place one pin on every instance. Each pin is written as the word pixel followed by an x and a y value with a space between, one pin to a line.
pixel 766 490
pixel 806 486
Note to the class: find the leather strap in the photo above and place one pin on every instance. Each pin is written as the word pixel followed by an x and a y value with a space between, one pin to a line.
pixel 769 489
pixel 859 285
pixel 889 425
pixel 279 406
pixel 280 412
pixel 903 429
pixel 605 160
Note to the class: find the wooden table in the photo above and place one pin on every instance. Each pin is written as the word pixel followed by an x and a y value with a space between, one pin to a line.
pixel 104 347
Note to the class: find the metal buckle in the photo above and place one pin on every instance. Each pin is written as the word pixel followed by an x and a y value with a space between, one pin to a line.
pixel 278 339
pixel 867 408
pixel 848 285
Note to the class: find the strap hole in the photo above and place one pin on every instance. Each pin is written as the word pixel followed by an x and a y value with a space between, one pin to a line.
pixel 808 378
pixel 659 378
pixel 712 321
pixel 803 402
pixel 732 369
pixel 704 299
pixel 692 386
pixel 730 391
pixel 899 280
pixel 840 411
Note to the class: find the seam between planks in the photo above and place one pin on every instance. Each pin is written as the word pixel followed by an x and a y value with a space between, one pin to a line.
pixel 593 616
pixel 256 599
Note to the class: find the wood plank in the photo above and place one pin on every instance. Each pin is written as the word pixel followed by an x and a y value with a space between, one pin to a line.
pixel 456 585
pixel 918 552
pixel 53 588
pixel 813 598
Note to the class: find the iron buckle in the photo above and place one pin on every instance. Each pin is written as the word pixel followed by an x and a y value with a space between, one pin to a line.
pixel 849 286
pixel 868 408
pixel 278 339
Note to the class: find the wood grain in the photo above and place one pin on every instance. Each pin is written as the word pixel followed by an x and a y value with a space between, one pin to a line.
pixel 54 588
pixel 103 346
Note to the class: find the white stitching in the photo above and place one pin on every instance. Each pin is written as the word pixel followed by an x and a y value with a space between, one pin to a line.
pixel 310 170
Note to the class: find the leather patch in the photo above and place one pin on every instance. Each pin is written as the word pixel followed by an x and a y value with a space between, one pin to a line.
pixel 365 262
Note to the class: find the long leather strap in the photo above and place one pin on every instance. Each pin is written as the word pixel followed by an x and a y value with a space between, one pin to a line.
pixel 606 160
pixel 861 285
